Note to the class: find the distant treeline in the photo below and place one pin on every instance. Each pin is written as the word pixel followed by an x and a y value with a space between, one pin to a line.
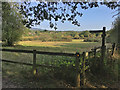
pixel 46 35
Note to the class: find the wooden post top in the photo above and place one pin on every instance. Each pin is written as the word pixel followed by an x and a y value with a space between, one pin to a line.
pixel 77 54
pixel 34 50
pixel 104 28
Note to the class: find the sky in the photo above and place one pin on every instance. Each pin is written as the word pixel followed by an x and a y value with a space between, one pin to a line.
pixel 92 19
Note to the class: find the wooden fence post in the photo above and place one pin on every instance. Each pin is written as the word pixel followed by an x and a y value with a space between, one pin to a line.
pixel 88 54
pixel 84 77
pixel 113 47
pixel 103 46
pixel 77 65
pixel 95 53
pixel 34 62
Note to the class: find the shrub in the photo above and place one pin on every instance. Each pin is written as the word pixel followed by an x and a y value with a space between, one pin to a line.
pixel 66 38
pixel 96 40
pixel 66 73
pixel 92 40
pixel 88 40
pixel 30 39
pixel 44 40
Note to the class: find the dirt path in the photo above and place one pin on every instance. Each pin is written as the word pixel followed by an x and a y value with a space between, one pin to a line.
pixel 116 85
pixel 7 83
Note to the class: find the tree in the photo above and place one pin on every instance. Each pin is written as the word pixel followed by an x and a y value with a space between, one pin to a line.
pixel 82 36
pixel 85 33
pixel 76 36
pixel 118 10
pixel 54 11
pixel 114 36
pixel 12 27
pixel 114 32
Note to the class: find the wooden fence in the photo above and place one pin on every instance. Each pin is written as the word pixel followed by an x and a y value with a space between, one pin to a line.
pixel 34 65
pixel 84 55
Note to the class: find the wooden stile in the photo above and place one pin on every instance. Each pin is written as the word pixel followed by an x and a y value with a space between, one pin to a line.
pixel 103 48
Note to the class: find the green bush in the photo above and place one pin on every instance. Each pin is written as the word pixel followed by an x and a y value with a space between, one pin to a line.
pixel 30 39
pixel 27 39
pixel 66 39
pixel 91 40
pixel 96 40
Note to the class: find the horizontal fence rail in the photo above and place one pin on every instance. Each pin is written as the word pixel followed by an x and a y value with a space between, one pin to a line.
pixel 39 52
pixel 96 31
pixel 29 64
pixel 96 48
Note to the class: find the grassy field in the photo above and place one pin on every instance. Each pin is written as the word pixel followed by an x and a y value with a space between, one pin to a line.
pixel 66 47
pixel 21 75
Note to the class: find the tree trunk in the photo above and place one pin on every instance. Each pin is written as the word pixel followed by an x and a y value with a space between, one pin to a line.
pixel 9 43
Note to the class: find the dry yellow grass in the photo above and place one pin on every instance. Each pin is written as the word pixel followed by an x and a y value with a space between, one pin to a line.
pixel 48 44
pixel 77 40
pixel 39 43
pixel 28 37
